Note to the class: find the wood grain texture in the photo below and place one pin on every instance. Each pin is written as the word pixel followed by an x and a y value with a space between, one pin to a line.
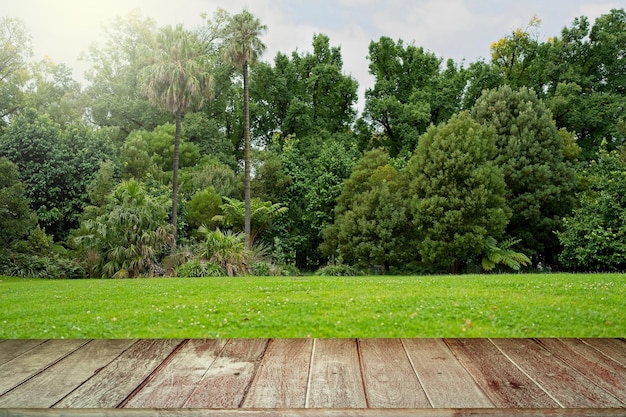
pixel 613 348
pixel 439 370
pixel 226 382
pixel 49 387
pixel 335 380
pixel 113 384
pixel 10 349
pixel 42 356
pixel 594 365
pixel 562 382
pixel 504 384
pixel 281 381
pixel 388 377
pixel 173 384
pixel 322 412
pixel 336 377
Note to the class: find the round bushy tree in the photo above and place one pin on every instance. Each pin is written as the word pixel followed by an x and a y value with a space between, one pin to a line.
pixel 203 206
pixel 371 221
pixel 539 181
pixel 455 193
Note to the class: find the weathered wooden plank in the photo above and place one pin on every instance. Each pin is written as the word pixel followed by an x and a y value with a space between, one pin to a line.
pixel 281 381
pixel 109 387
pixel 23 367
pixel 373 412
pixel 504 384
pixel 564 384
pixel 173 384
pixel 51 385
pixel 594 365
pixel 335 380
pixel 439 371
pixel 11 349
pixel 613 348
pixel 225 383
pixel 388 377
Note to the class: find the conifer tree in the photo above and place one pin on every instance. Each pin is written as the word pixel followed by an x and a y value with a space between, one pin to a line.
pixel 371 222
pixel 539 181
pixel 456 193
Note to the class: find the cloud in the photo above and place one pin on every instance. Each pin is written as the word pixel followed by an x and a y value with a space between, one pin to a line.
pixel 594 10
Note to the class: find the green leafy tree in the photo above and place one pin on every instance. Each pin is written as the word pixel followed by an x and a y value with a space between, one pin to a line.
pixel 370 227
pixel 15 51
pixel 210 173
pixel 55 165
pixel 113 94
pixel 539 181
pixel 594 236
pixel 515 56
pixel 103 183
pixel 579 75
pixel 52 90
pixel 162 149
pixel 593 95
pixel 177 82
pixel 410 93
pixel 128 240
pixel 244 47
pixel 33 143
pixel 141 149
pixel 481 76
pixel 203 207
pixel 16 217
pixel 205 133
pixel 329 170
pixel 270 179
pixel 304 94
pixel 456 193
pixel 307 179
pixel 135 158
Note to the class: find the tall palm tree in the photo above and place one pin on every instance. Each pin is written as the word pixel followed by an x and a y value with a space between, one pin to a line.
pixel 243 46
pixel 177 82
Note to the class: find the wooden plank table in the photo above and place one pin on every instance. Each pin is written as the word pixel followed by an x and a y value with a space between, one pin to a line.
pixel 310 377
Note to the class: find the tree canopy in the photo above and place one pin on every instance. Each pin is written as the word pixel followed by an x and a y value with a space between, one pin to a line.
pixel 513 161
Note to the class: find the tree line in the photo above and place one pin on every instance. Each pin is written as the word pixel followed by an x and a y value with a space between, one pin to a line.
pixel 184 155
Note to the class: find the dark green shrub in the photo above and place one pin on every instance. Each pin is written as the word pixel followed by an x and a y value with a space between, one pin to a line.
pixel 26 265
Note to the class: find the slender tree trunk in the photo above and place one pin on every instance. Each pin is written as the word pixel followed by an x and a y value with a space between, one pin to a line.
pixel 178 117
pixel 246 154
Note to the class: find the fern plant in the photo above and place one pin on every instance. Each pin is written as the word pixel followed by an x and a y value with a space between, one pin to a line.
pixel 503 255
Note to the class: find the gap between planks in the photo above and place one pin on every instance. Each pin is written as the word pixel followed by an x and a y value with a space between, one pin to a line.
pixel 527 374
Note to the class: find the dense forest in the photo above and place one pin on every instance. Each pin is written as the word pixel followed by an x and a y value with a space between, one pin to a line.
pixel 185 155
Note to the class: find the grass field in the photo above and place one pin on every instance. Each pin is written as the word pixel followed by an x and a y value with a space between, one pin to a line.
pixel 547 305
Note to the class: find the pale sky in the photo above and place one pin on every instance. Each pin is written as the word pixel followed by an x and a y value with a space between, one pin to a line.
pixel 457 29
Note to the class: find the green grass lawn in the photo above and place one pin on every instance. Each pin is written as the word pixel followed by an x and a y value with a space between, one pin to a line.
pixel 547 305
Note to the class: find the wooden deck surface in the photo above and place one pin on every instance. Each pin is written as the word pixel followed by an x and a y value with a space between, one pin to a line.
pixel 431 377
